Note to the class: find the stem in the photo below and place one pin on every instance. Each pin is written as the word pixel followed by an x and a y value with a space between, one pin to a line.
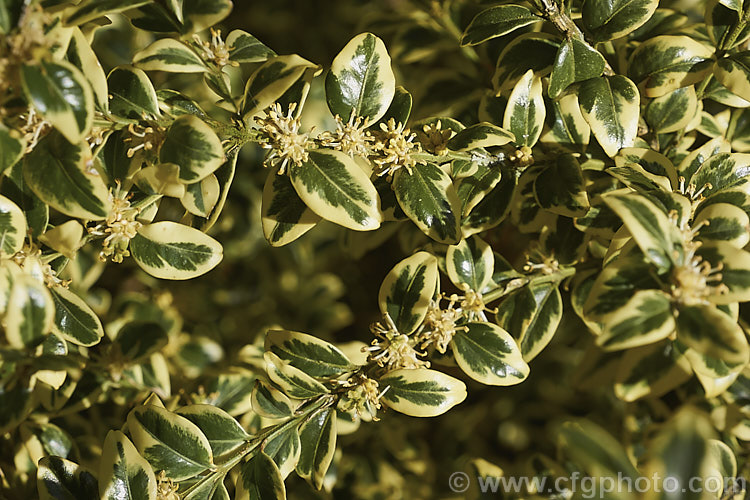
pixel 565 25
pixel 502 291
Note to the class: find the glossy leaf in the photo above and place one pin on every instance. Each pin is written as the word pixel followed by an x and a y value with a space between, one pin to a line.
pixel 62 95
pixel 74 319
pixel 488 354
pixel 131 93
pixel 407 289
pixel 421 392
pixel 169 55
pixel 428 197
pixel 608 20
pixel 361 81
pixel 194 146
pixel 576 61
pixel 292 381
pixel 168 250
pixel 223 432
pixel 260 479
pixel 645 319
pixel 58 479
pixel 169 442
pixel 310 354
pixel 284 216
pixel 318 439
pixel 30 312
pixel 12 227
pixel 611 107
pixel 471 262
pixel 497 21
pixel 559 188
pixel 524 116
pixel 123 473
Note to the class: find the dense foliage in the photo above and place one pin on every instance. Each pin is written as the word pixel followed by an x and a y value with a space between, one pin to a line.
pixel 457 198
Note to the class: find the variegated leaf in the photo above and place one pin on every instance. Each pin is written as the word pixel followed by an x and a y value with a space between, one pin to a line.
pixel 310 354
pixel 318 439
pixel 471 262
pixel 12 227
pixel 480 135
pixel 333 186
pixel 421 392
pixel 608 20
pixel 169 55
pixel 488 354
pixel 559 187
pixel 524 115
pixel 74 319
pixel 407 289
pixel 168 250
pixel 62 95
pixel 123 473
pixel 284 216
pixel 29 314
pixel 611 107
pixel 497 21
pixel 223 432
pixel 58 478
pixel 645 319
pixel 576 61
pixel 361 81
pixel 169 442
pixel 292 381
pixel 260 479
pixel 428 197
pixel 270 81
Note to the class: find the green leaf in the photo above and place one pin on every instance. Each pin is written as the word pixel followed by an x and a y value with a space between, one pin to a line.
pixel 576 61
pixel 89 10
pixel 62 95
pixel 200 197
pixel 82 56
pixel 123 473
pixel 201 14
pixel 284 216
pixel 480 135
pixel 60 479
pixel 232 392
pixel 131 93
pixel 679 452
pixel 497 21
pixel 245 48
pixel 649 226
pixel 223 432
pixel 399 110
pixel 616 284
pixel 566 128
pixel 611 107
pixel 59 174
pixel 712 333
pixel 12 148
pixel 270 81
pixel 407 289
pixel 169 55
pixel 472 188
pixel 333 186
pixel 318 438
pixel 361 81
pixel 645 319
pixel 12 227
pixel 428 197
pixel 666 63
pixel 260 479
pixel 168 250
pixel 724 222
pixel 285 449
pixel 693 161
pixel 488 354
pixel 74 319
pixel 29 314
pixel 493 207
pixel 595 450
pixel 535 51
pixel 723 171
pixel 532 315
pixel 651 371
pixel 673 111
pixel 194 146
pixel 270 402
pixel 471 262
pixel 421 392
pixel 657 167
pixel 524 115
pixel 734 73
pixel 722 22
pixel 310 354
pixel 292 381
pixel 560 188
pixel 608 20
pixel 169 442
pixel 140 338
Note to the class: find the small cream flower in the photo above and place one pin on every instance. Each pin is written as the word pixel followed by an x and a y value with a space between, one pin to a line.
pixel 215 50
pixel 440 325
pixel 696 279
pixel 350 138
pixel 121 227
pixel 394 149
pixel 280 134
pixel 362 396
pixel 143 138
pixel 433 139
pixel 393 350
